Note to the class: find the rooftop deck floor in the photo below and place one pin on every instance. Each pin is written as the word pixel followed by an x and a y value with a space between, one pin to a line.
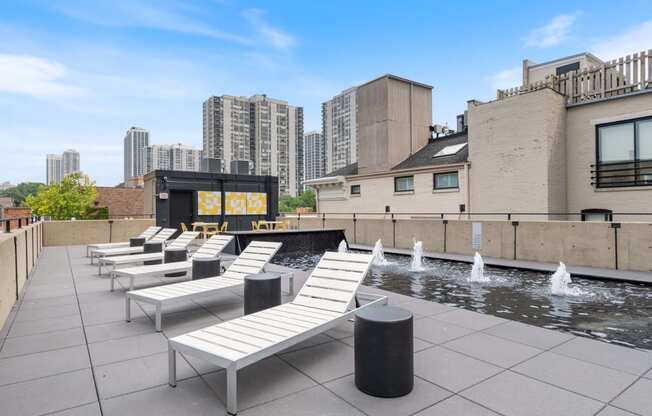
pixel 66 350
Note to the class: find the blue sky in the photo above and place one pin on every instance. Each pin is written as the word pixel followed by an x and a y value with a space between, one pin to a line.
pixel 77 74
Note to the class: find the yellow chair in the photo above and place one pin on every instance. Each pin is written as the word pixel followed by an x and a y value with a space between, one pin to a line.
pixel 255 226
pixel 184 228
pixel 225 227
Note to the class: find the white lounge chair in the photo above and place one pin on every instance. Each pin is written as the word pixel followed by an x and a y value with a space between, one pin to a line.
pixel 160 237
pixel 132 273
pixel 322 303
pixel 253 259
pixel 147 234
pixel 182 241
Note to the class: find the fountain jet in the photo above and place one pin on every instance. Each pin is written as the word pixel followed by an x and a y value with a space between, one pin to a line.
pixel 342 248
pixel 417 256
pixel 379 255
pixel 559 282
pixel 477 271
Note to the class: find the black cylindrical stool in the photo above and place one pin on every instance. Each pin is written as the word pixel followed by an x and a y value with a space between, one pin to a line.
pixel 152 248
pixel 203 267
pixel 136 241
pixel 261 291
pixel 384 361
pixel 173 255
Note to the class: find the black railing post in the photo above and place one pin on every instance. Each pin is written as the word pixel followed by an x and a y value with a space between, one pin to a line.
pixel 393 231
pixel 323 220
pixel 514 224
pixel 355 220
pixel 509 217
pixel 7 226
pixel 298 220
pixel 615 226
pixel 20 223
pixel 445 222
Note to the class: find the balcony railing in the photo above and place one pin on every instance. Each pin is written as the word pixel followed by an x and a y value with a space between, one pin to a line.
pixel 622 174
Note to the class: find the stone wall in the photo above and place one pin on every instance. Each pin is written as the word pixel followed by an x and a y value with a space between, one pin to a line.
pixel 576 243
pixel 19 251
pixel 67 233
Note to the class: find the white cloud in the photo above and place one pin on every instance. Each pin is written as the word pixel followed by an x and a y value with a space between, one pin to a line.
pixel 271 35
pixel 635 39
pixel 507 78
pixel 144 14
pixel 551 34
pixel 38 77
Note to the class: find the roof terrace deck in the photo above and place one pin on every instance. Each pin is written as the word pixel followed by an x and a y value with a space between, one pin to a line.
pixel 66 350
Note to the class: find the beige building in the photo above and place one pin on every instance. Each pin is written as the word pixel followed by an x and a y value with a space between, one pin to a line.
pixel 576 138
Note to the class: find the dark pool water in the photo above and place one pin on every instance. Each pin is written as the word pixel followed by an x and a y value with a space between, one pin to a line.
pixel 614 312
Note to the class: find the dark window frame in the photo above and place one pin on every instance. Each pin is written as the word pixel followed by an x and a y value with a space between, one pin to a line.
pixel 358 187
pixel 434 180
pixel 403 177
pixel 636 162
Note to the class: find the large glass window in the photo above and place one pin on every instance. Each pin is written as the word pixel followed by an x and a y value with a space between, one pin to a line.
pixel 404 183
pixel 624 154
pixel 448 180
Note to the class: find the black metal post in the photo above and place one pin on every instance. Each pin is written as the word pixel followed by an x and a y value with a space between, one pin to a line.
pixel 355 230
pixel 298 220
pixel 515 224
pixel 445 222
pixel 20 223
pixel 7 226
pixel 323 220
pixel 615 226
pixel 509 217
pixel 393 231
pixel 16 263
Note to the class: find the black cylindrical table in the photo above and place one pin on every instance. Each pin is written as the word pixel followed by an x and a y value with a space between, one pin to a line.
pixel 203 267
pixel 136 241
pixel 172 255
pixel 261 291
pixel 383 343
pixel 153 248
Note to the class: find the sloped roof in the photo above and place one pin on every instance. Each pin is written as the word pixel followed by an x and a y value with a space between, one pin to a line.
pixel 347 170
pixel 424 156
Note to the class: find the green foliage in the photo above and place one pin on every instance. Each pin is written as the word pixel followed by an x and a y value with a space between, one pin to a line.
pixel 72 198
pixel 290 204
pixel 96 213
pixel 19 192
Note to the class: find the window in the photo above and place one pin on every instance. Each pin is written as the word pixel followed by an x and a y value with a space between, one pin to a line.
pixel 404 184
pixel 355 189
pixel 450 150
pixel 624 154
pixel 447 180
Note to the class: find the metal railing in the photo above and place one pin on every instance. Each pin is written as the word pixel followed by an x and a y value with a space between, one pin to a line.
pixel 6 223
pixel 622 174
pixel 509 216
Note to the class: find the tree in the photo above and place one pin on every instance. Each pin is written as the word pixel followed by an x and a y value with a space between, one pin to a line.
pixel 19 192
pixel 71 198
pixel 305 200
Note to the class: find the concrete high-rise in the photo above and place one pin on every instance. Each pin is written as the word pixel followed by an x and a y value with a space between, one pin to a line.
pixel 340 129
pixel 157 157
pixel 183 157
pixel 135 148
pixel 314 162
pixel 70 162
pixel 54 168
pixel 263 131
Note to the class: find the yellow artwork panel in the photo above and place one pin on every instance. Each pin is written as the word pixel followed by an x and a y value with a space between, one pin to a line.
pixel 256 203
pixel 209 203
pixel 236 203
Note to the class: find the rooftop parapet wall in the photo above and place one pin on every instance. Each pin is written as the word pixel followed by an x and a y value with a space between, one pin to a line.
pixel 577 243
pixel 67 233
pixel 19 252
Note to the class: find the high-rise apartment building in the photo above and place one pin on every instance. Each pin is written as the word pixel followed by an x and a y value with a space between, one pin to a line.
pixel 70 162
pixel 186 158
pixel 340 129
pixel 263 131
pixel 135 152
pixel 54 168
pixel 172 157
pixel 314 161
pixel 157 157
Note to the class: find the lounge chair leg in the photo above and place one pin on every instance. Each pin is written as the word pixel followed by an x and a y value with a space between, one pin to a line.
pixel 112 281
pixel 232 390
pixel 92 255
pixel 127 309
pixel 99 267
pixel 131 283
pixel 158 318
pixel 172 367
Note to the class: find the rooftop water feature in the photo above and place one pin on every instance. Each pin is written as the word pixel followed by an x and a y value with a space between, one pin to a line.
pixel 477 271
pixel 417 257
pixel 342 247
pixel 379 255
